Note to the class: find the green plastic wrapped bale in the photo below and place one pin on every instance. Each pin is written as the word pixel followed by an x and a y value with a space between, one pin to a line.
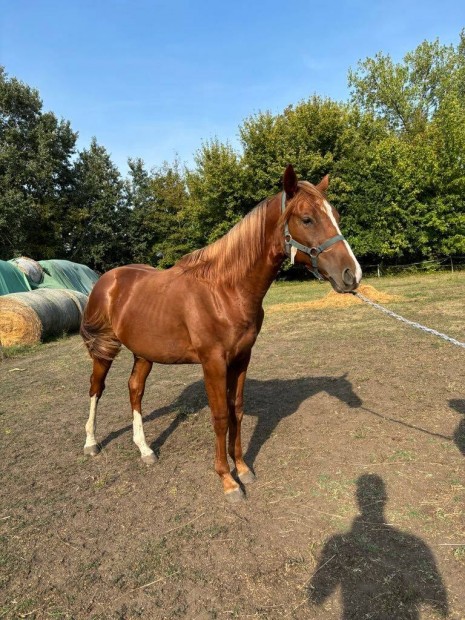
pixel 69 275
pixel 12 280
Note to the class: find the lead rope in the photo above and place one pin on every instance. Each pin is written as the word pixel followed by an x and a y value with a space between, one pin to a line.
pixel 407 322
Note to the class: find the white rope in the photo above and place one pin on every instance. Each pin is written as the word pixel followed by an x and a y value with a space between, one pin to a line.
pixel 411 323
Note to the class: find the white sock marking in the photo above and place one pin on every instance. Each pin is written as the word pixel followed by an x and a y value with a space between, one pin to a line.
pixel 138 436
pixel 91 425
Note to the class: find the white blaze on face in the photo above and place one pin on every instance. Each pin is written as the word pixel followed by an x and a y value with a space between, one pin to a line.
pixel 138 436
pixel 91 425
pixel 358 269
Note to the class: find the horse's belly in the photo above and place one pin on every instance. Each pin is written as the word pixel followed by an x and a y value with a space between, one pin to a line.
pixel 170 353
pixel 163 339
pixel 171 346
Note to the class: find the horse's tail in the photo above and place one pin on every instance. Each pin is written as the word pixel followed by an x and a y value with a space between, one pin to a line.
pixel 98 335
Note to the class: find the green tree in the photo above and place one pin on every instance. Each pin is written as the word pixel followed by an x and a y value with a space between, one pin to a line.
pixel 158 202
pixel 311 135
pixel 97 215
pixel 140 200
pixel 35 172
pixel 406 94
pixel 216 193
pixel 422 102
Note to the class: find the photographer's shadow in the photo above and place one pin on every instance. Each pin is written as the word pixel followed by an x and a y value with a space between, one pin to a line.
pixel 382 572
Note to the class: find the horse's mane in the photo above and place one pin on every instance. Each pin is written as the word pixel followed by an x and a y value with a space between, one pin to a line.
pixel 229 258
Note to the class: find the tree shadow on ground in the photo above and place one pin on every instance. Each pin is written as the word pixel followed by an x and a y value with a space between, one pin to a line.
pixel 459 434
pixel 269 401
pixel 383 573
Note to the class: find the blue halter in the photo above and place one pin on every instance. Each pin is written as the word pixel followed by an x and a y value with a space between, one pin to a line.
pixel 314 252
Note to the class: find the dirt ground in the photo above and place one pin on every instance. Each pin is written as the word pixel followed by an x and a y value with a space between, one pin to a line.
pixel 355 429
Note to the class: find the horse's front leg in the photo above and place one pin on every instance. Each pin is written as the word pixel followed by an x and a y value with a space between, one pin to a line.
pixel 236 380
pixel 215 374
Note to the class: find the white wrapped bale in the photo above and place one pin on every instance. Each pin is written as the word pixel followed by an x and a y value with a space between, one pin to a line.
pixel 31 268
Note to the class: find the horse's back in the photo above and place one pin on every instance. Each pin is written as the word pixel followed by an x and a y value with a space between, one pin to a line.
pixel 111 283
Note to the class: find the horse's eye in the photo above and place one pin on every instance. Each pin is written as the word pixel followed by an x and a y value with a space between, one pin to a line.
pixel 307 220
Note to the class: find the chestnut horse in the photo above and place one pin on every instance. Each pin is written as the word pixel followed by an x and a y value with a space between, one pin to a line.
pixel 207 309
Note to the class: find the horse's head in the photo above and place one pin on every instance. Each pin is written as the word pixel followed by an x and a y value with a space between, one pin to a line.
pixel 312 235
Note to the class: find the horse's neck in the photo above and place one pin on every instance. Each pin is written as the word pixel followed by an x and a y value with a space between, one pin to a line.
pixel 261 274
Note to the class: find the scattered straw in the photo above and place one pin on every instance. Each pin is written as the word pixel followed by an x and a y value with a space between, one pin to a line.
pixel 335 300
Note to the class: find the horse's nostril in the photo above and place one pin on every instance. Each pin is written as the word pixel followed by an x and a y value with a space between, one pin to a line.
pixel 348 277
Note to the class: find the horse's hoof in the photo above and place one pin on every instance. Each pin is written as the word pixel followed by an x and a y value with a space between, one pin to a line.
pixel 235 496
pixel 248 477
pixel 91 450
pixel 150 459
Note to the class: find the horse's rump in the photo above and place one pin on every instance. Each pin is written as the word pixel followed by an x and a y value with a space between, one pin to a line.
pixel 96 326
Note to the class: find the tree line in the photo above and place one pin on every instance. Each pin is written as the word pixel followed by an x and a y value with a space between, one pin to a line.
pixel 395 152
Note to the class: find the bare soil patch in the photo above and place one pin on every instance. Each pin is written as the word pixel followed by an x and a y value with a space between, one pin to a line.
pixel 355 429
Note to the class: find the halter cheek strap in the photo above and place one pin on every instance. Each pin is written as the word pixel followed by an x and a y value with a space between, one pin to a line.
pixel 291 245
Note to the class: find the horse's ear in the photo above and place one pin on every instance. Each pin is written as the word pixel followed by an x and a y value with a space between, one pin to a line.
pixel 290 181
pixel 323 184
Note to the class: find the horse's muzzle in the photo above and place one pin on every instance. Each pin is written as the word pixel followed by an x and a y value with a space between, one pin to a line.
pixel 348 277
pixel 346 284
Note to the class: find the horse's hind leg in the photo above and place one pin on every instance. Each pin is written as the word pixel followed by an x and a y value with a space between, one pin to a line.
pixel 97 385
pixel 140 372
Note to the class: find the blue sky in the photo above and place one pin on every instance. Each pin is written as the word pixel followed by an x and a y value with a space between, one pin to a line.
pixel 155 79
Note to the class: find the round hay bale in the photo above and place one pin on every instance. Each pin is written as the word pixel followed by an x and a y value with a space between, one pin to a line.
pixel 31 268
pixel 26 318
pixel 19 324
pixel 79 299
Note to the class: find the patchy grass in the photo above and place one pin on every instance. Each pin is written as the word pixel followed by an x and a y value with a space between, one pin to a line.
pixel 355 426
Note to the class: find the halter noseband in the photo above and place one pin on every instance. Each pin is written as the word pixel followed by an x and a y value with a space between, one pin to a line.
pixel 313 253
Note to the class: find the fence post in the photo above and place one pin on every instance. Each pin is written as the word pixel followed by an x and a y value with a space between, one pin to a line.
pixel 378 271
pixel 451 265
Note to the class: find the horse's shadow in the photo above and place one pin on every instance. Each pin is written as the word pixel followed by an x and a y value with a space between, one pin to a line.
pixel 459 433
pixel 269 401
